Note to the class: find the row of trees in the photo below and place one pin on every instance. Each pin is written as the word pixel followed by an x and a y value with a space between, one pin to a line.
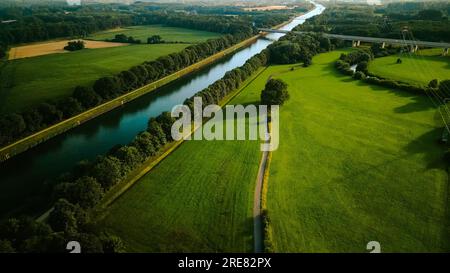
pixel 17 125
pixel 25 235
pixel 122 38
pixel 39 23
pixel 299 48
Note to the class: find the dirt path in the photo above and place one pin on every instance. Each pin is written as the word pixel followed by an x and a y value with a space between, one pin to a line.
pixel 257 218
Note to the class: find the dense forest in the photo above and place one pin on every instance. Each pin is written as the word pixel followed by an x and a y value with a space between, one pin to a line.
pixel 426 21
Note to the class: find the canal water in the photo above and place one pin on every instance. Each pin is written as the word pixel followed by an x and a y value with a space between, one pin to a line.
pixel 24 179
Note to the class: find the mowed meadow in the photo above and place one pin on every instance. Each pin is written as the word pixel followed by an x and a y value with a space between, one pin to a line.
pixel 168 34
pixel 356 163
pixel 418 69
pixel 198 199
pixel 30 81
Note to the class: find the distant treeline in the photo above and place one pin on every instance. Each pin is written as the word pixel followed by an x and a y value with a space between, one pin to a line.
pixel 77 192
pixel 422 24
pixel 39 23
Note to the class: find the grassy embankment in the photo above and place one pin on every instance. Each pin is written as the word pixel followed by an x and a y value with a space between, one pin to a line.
pixel 418 69
pixel 63 126
pixel 356 163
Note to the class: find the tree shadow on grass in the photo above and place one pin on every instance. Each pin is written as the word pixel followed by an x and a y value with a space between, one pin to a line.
pixel 429 145
pixel 419 103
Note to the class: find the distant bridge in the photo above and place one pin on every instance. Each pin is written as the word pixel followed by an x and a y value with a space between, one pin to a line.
pixel 356 40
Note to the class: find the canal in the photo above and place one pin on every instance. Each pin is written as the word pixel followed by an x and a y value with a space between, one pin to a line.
pixel 25 178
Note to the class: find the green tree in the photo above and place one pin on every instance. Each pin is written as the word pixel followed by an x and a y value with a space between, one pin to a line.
pixel 155 129
pixel 50 114
pixel 86 192
pixel 433 83
pixel 75 45
pixel 130 156
pixel 275 93
pixel 69 107
pixel 86 96
pixel 155 39
pixel 107 87
pixel 11 126
pixel 362 67
pixel 145 144
pixel 108 171
pixel 129 79
pixel 63 217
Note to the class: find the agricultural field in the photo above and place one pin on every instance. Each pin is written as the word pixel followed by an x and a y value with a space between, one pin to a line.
pixel 356 163
pixel 45 48
pixel 196 199
pixel 418 69
pixel 23 85
pixel 27 82
pixel 168 34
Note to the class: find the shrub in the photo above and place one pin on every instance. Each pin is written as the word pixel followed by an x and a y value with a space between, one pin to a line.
pixel 359 75
pixel 433 83
pixel 107 170
pixel 75 45
pixel 362 67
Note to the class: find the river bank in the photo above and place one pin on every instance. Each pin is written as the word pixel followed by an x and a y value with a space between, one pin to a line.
pixel 27 176
pixel 28 142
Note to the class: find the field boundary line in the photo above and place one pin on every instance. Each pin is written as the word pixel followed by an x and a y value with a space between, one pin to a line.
pixel 28 142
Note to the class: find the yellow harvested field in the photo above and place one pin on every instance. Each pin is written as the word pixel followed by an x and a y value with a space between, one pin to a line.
pixel 46 48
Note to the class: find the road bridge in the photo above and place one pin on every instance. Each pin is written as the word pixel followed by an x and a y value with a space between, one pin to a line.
pixel 356 40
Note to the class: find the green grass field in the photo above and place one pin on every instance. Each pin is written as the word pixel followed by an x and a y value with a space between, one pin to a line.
pixel 169 34
pixel 356 163
pixel 418 69
pixel 27 82
pixel 200 198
